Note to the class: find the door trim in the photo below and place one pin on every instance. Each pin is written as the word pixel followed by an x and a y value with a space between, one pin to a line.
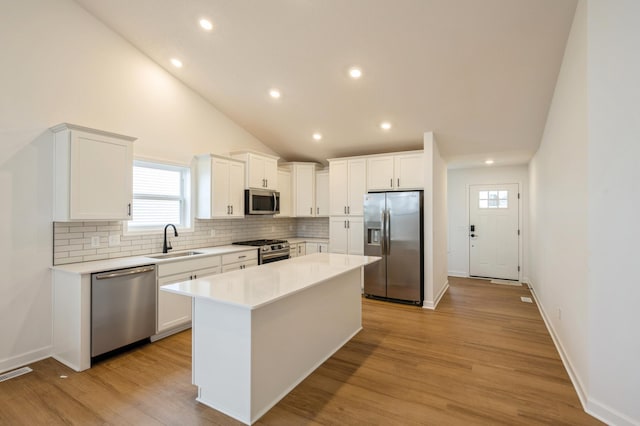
pixel 520 225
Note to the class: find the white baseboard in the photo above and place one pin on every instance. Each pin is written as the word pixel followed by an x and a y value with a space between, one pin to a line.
pixel 459 274
pixel 575 380
pixel 427 304
pixel 608 415
pixel 591 406
pixel 525 280
pixel 21 360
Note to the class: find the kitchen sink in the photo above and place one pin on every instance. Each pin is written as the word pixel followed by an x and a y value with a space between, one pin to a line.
pixel 172 255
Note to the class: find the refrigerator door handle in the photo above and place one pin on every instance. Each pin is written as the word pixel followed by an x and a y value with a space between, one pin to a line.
pixel 383 240
pixel 388 232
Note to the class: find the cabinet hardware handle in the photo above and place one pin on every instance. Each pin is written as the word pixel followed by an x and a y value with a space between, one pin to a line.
pixel 232 209
pixel 391 182
pixel 348 209
pixel 348 224
pixel 242 257
pixel 129 209
pixel 195 277
pixel 345 224
pixel 345 209
pixel 317 210
pixel 266 183
pixel 310 210
pixel 227 208
pixel 398 182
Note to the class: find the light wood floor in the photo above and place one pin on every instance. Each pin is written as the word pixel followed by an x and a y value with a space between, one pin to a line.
pixel 483 357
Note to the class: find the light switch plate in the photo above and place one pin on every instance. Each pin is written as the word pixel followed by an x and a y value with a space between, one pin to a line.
pixel 95 242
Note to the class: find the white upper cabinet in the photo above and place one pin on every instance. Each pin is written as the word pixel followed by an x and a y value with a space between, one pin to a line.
pixel 93 174
pixel 303 188
pixel 395 172
pixel 380 173
pixel 347 186
pixel 261 169
pixel 322 193
pixel 284 187
pixel 220 184
pixel 409 171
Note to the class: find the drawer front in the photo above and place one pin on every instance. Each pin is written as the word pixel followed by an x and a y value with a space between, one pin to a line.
pixel 239 265
pixel 188 265
pixel 242 256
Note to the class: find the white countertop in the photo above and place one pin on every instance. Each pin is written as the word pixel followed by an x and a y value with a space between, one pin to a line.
pixel 255 287
pixel 133 261
pixel 297 240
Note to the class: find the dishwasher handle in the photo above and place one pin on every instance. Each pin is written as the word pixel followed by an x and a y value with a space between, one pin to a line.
pixel 125 272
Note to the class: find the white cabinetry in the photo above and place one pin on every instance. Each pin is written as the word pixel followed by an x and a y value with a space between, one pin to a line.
pixel 174 311
pixel 239 260
pixel 395 172
pixel 220 187
pixel 261 169
pixel 93 174
pixel 303 188
pixel 346 235
pixel 316 248
pixel 347 186
pixel 297 249
pixel 322 193
pixel 284 187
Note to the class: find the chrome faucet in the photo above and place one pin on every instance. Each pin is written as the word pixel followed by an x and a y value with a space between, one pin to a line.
pixel 166 246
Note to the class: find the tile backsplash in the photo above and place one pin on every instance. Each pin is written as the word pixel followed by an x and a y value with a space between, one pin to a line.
pixel 72 240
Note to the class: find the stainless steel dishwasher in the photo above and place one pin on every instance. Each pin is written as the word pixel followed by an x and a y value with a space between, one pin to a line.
pixel 123 307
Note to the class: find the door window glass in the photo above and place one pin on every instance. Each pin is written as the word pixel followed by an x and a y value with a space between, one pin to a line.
pixel 493 199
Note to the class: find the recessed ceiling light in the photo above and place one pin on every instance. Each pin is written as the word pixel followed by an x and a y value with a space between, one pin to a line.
pixel 385 125
pixel 274 93
pixel 355 73
pixel 488 162
pixel 206 24
pixel 317 136
pixel 176 62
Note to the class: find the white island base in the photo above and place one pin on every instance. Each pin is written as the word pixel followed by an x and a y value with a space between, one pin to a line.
pixel 258 332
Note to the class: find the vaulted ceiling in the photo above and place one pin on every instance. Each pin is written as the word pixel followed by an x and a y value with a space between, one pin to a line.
pixel 480 74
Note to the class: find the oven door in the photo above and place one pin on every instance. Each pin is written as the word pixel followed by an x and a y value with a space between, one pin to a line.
pixel 258 201
pixel 273 256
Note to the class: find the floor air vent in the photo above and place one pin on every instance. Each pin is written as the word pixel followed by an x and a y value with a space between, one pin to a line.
pixel 15 373
pixel 526 299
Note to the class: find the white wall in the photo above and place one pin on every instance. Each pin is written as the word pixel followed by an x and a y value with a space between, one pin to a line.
pixel 558 207
pixel 614 207
pixel 435 223
pixel 59 64
pixel 458 181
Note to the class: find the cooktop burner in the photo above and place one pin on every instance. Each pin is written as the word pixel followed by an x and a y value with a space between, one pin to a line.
pixel 260 242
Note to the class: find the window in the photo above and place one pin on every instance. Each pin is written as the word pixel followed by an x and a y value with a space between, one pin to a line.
pixel 160 196
pixel 493 199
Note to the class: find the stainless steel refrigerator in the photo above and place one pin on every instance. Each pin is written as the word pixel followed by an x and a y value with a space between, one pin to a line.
pixel 393 229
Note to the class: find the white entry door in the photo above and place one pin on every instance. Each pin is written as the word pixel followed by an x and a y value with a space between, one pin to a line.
pixel 494 231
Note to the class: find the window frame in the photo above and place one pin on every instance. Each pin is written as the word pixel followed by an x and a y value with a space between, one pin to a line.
pixel 186 222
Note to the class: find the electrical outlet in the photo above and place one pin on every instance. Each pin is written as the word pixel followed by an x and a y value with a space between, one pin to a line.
pixel 114 240
pixel 95 242
pixel 212 232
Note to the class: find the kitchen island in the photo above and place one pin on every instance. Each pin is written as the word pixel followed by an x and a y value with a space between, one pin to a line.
pixel 259 332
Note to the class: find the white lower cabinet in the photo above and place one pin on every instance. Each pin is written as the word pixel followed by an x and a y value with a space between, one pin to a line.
pixel 240 260
pixel 297 249
pixel 316 248
pixel 174 310
pixel 346 235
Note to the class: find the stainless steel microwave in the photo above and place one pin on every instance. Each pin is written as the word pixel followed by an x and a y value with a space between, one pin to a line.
pixel 261 201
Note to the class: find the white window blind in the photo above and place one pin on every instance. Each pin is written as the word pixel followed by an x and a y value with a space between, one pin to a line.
pixel 160 195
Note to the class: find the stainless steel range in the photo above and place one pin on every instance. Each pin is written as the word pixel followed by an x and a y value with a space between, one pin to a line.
pixel 270 250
